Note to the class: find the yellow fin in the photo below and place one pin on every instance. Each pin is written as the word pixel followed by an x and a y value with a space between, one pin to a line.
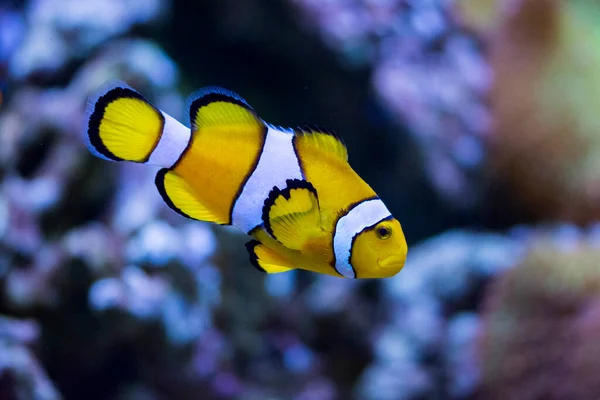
pixel 215 107
pixel 292 215
pixel 122 124
pixel 265 259
pixel 321 140
pixel 180 197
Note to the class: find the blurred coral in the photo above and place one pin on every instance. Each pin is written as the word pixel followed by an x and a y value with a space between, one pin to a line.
pixel 545 146
pixel 430 319
pixel 69 29
pixel 481 16
pixel 21 375
pixel 540 326
pixel 107 294
pixel 429 74
pixel 73 255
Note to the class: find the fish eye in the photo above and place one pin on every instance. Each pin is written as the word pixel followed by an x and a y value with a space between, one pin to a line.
pixel 383 232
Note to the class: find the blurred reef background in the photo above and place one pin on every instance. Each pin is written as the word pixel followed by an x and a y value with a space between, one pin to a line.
pixel 476 121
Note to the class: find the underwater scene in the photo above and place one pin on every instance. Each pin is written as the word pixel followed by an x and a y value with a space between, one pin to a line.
pixel 361 200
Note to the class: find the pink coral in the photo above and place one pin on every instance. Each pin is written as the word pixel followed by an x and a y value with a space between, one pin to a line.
pixel 540 327
pixel 545 147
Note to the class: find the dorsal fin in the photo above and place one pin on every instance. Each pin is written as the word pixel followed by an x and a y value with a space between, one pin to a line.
pixel 215 106
pixel 322 140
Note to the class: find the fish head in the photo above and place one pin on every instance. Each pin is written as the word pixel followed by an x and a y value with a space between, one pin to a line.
pixel 379 251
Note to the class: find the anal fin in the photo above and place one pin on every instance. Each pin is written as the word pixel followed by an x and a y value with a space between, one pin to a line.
pixel 180 197
pixel 292 215
pixel 266 260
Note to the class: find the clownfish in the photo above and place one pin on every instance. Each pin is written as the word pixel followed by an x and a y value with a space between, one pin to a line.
pixel 292 190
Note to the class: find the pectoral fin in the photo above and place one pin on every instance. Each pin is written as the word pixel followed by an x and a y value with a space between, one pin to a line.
pixel 292 215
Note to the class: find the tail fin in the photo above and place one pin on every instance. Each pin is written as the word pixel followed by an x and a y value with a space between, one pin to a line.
pixel 122 124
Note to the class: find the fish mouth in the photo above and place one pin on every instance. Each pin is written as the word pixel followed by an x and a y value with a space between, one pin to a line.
pixel 392 262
